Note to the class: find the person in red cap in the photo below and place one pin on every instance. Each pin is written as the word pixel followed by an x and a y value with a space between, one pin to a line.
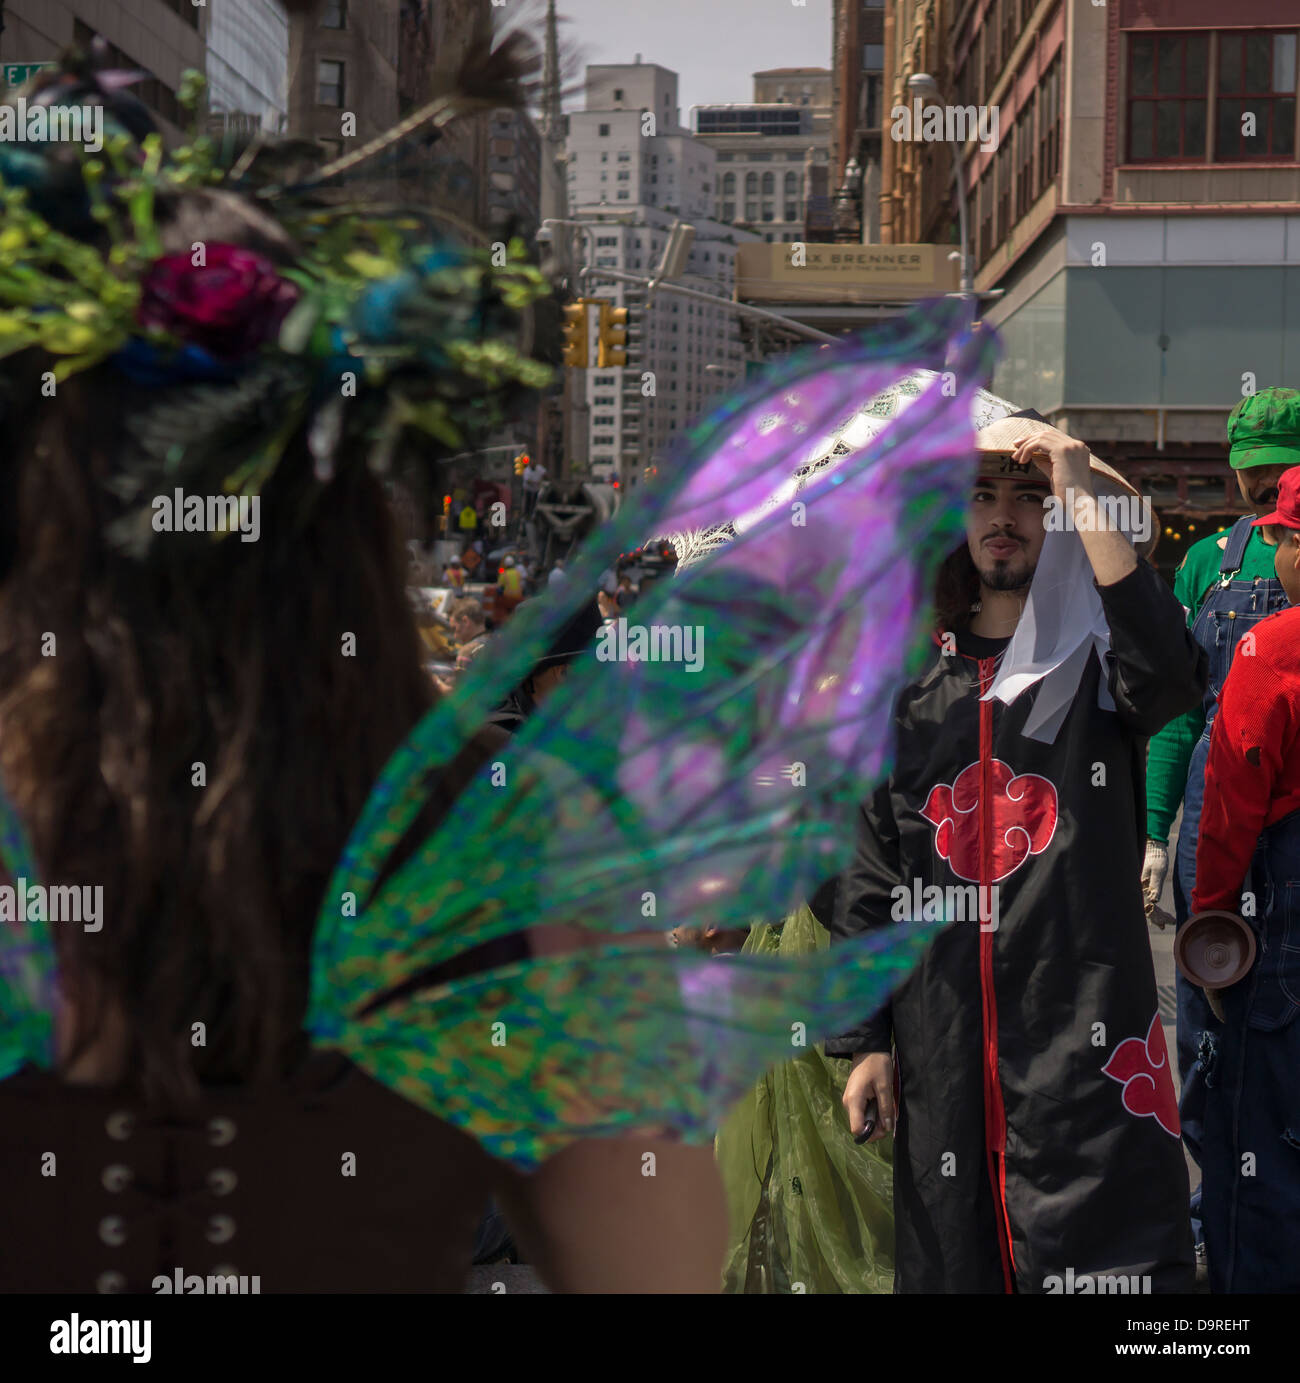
pixel 1251 1149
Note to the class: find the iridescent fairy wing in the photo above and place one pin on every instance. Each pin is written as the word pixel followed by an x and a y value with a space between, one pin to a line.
pixel 27 962
pixel 703 777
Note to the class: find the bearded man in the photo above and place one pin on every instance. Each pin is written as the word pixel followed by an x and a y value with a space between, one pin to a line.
pixel 1035 1114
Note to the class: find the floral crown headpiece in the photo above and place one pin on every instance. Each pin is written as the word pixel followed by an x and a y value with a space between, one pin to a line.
pixel 375 325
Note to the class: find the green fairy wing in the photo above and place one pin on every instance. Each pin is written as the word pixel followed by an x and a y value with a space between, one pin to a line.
pixel 700 773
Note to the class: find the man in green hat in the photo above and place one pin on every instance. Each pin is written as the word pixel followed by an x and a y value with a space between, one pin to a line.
pixel 1227 584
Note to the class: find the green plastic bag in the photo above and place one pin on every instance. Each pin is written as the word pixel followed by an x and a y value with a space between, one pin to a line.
pixel 809 1210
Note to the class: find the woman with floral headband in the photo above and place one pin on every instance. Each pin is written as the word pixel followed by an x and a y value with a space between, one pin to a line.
pixel 262 1005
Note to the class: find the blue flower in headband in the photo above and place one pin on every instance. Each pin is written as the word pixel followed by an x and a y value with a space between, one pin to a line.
pixel 147 364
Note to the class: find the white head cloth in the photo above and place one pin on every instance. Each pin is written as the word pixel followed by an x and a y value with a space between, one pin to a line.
pixel 1063 621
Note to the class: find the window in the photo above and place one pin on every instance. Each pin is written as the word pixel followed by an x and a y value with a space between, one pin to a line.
pixel 334 14
pixel 792 184
pixel 603 401
pixel 769 184
pixel 769 212
pixel 990 61
pixel 985 243
pixel 792 211
pixel 603 130
pixel 728 211
pixel 729 185
pixel 623 195
pixel 873 57
pixel 604 158
pixel 751 211
pixel 329 83
pixel 624 177
pixel 602 240
pixel 1024 152
pixel 1008 27
pixel 1049 126
pixel 725 158
pixel 187 11
pixel 871 102
pixel 1003 227
pixel 751 184
pixel 618 93
pixel 604 420
pixel 1256 92
pixel 1167 81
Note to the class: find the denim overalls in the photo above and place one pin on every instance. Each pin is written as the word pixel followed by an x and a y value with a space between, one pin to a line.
pixel 1232 608
pixel 1250 1189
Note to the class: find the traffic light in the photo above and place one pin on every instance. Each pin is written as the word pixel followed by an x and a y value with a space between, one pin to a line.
pixel 575 335
pixel 521 463
pixel 611 350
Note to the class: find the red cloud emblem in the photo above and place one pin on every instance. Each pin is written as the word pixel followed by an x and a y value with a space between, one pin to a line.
pixel 1024 820
pixel 1142 1068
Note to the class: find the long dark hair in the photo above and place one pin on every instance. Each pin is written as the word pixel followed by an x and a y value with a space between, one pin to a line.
pixel 956 589
pixel 120 677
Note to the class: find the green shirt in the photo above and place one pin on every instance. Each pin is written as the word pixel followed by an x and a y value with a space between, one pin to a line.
pixel 1170 751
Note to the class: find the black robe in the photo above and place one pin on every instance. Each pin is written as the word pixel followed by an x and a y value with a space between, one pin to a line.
pixel 1038 1140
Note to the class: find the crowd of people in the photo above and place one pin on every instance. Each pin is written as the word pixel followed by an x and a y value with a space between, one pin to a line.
pixel 1021 1074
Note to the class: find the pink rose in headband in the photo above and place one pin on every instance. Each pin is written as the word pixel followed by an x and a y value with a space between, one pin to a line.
pixel 228 306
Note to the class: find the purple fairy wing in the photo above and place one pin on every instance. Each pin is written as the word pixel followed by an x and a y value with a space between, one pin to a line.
pixel 700 768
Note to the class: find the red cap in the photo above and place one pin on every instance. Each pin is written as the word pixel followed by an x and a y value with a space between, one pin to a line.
pixel 1287 513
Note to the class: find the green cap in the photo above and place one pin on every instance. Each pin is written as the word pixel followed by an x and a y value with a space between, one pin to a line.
pixel 1264 430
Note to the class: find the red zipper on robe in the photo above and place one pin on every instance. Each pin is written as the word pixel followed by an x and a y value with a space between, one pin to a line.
pixel 995 1118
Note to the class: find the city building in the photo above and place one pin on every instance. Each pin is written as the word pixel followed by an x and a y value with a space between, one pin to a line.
pixel 773 155
pixel 513 185
pixel 633 171
pixel 160 38
pixel 343 59
pixel 857 89
pixel 1140 216
pixel 248 66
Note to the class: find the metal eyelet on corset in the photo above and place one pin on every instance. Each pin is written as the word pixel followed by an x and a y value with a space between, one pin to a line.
pixel 116 1178
pixel 221 1131
pixel 120 1126
pixel 220 1229
pixel 112 1230
pixel 110 1282
pixel 222 1181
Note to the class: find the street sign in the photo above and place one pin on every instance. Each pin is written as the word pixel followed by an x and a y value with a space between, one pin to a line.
pixel 16 73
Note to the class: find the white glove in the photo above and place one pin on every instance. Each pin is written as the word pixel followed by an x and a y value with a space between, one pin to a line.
pixel 1155 869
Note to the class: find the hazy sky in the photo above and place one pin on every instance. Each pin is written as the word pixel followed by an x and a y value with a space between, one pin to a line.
pixel 713 45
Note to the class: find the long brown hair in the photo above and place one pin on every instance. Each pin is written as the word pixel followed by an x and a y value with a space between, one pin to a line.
pixel 956 589
pixel 119 678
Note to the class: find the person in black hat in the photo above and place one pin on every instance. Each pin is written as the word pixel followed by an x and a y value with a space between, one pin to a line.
pixel 575 639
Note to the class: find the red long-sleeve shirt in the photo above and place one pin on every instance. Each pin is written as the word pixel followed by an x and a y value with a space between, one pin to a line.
pixel 1252 777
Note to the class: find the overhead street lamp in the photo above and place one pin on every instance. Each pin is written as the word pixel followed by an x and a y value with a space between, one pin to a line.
pixel 922 84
